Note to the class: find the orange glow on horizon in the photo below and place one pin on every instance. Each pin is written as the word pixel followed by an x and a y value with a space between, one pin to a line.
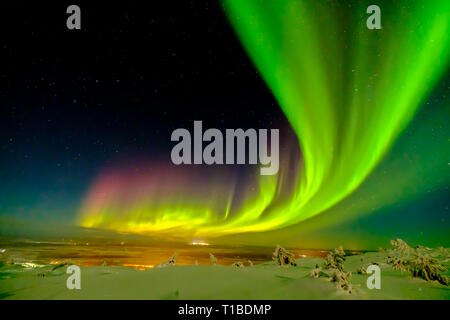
pixel 139 266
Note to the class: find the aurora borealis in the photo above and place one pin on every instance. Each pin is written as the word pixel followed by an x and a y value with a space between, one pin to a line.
pixel 347 91
pixel 363 119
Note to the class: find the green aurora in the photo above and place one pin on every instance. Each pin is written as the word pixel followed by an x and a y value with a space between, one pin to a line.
pixel 348 93
pixel 346 106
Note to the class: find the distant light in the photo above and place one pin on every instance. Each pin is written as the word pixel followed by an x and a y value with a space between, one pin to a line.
pixel 30 265
pixel 139 266
pixel 199 243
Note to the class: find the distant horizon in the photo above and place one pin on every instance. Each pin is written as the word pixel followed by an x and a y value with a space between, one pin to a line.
pixel 22 230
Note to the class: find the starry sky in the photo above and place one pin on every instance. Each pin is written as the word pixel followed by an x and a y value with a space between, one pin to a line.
pixel 75 101
pixel 79 108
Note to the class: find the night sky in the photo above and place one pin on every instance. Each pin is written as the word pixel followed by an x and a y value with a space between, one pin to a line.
pixel 74 102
